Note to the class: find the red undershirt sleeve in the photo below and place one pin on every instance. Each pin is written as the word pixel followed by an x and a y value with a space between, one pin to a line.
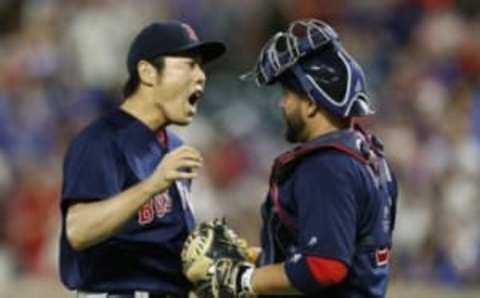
pixel 311 274
pixel 327 272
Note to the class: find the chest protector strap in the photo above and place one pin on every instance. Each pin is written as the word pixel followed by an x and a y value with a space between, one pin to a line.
pixel 355 142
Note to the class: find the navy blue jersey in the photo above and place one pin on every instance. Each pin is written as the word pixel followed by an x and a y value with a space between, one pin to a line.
pixel 114 153
pixel 336 202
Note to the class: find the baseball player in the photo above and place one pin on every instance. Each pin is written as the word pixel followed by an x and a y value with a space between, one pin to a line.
pixel 330 211
pixel 125 198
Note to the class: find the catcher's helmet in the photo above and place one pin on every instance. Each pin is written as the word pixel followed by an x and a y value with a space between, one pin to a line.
pixel 311 53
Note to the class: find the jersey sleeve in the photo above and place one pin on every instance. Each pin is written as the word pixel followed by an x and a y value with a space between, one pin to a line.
pixel 324 190
pixel 92 170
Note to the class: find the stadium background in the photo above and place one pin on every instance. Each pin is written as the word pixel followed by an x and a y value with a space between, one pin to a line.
pixel 62 63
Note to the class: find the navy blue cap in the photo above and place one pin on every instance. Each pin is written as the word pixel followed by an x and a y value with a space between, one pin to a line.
pixel 171 38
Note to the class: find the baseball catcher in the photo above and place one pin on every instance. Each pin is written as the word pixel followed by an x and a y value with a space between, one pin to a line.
pixel 329 214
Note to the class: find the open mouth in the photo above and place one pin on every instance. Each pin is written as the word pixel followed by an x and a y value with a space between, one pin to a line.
pixel 195 97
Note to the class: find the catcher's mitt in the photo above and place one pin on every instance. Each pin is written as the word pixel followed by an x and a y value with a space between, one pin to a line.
pixel 207 244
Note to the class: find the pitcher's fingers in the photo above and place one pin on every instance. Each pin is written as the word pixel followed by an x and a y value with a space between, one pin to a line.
pixel 188 163
pixel 189 156
pixel 186 148
pixel 185 175
pixel 190 151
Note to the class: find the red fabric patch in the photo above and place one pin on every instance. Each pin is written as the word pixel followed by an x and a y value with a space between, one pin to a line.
pixel 327 272
pixel 382 256
pixel 162 138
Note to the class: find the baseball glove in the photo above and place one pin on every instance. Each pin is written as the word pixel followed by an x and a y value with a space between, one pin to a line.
pixel 215 261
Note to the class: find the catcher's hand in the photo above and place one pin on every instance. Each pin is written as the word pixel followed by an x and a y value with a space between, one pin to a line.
pixel 231 278
pixel 216 261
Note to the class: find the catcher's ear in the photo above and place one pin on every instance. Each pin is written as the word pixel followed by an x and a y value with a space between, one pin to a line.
pixel 311 108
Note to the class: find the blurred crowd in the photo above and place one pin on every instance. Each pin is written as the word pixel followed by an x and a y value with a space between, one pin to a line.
pixel 62 64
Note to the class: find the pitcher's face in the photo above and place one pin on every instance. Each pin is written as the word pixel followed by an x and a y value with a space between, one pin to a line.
pixel 178 89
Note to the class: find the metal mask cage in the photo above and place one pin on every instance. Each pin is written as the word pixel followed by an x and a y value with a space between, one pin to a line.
pixel 302 38
pixel 284 49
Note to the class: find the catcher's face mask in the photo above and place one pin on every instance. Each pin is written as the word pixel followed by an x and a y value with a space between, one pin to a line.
pixel 311 50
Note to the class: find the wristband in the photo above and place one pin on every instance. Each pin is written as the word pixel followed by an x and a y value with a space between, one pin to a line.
pixel 246 281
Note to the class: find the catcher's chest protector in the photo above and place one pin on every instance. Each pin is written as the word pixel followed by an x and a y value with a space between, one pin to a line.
pixel 281 225
pixel 363 147
pixel 356 160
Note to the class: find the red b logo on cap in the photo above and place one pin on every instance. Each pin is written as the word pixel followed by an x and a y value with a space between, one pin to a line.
pixel 190 32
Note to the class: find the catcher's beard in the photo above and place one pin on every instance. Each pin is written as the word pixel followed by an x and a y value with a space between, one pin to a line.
pixel 295 126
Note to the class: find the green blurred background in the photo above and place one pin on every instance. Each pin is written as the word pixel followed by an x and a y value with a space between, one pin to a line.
pixel 62 64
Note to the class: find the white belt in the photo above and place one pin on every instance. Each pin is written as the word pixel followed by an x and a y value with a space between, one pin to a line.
pixel 81 294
